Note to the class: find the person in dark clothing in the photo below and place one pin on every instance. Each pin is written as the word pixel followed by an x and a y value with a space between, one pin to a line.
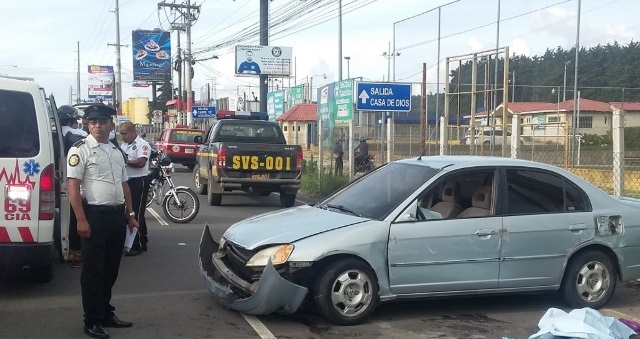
pixel 103 215
pixel 361 151
pixel 338 153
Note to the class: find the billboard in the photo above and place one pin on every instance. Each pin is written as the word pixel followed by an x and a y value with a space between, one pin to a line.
pixel 256 60
pixel 100 82
pixel 151 55
pixel 295 96
pixel 343 104
pixel 275 104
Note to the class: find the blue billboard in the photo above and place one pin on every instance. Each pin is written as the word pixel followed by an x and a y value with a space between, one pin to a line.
pixel 151 55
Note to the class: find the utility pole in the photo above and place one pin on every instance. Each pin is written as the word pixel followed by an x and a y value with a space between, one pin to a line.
pixel 190 12
pixel 78 77
pixel 117 102
pixel 340 40
pixel 264 41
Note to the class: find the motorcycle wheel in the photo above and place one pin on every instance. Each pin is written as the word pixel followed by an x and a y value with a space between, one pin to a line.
pixel 151 195
pixel 184 209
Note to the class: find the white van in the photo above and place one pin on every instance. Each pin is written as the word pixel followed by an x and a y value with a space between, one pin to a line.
pixel 32 177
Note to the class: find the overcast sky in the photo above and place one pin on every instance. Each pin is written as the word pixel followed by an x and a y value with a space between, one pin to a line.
pixel 40 36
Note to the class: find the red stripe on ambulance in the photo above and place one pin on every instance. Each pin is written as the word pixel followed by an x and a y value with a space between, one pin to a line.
pixel 4 235
pixel 25 234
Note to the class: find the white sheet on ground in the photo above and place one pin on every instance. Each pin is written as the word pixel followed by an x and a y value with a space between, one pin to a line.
pixel 581 323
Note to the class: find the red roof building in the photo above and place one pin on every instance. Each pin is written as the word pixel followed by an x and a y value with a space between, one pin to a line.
pixel 299 124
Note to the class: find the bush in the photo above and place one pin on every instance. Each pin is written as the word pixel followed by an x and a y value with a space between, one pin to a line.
pixel 320 186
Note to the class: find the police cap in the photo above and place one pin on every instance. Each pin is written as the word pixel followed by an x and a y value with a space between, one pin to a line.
pixel 99 112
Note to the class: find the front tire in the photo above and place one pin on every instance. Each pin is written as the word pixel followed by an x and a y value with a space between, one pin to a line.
pixel 184 209
pixel 589 280
pixel 346 293
pixel 199 187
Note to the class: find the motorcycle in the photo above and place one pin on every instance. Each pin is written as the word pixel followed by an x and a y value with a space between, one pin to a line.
pixel 364 165
pixel 180 204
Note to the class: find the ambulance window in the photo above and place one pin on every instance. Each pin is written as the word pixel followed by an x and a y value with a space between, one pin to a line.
pixel 19 125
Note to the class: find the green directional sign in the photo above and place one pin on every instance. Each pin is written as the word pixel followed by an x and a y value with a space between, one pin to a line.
pixel 275 104
pixel 343 101
pixel 295 96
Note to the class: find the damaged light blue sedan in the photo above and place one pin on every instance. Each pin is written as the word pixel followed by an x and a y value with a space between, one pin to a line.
pixel 425 227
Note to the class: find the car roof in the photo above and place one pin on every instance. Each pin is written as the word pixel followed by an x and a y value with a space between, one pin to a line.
pixel 460 161
pixel 18 85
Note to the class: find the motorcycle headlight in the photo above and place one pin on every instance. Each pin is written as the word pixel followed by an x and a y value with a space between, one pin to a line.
pixel 278 255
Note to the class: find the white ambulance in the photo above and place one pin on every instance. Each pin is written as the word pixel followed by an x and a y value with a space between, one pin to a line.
pixel 34 202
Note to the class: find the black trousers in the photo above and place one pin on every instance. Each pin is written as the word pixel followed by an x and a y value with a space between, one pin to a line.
pixel 139 186
pixel 101 254
pixel 339 165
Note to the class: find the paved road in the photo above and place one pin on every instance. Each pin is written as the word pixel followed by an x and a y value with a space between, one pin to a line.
pixel 162 292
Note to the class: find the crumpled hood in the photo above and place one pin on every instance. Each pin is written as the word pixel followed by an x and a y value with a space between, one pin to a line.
pixel 287 226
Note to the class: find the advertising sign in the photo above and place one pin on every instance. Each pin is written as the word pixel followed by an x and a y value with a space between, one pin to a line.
pixel 275 104
pixel 295 96
pixel 100 82
pixel 256 60
pixel 151 55
pixel 343 104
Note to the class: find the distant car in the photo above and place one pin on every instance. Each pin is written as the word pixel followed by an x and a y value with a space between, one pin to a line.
pixel 483 136
pixel 178 143
pixel 430 227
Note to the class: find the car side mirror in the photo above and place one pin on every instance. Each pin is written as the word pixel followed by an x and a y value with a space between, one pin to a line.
pixel 197 139
pixel 409 214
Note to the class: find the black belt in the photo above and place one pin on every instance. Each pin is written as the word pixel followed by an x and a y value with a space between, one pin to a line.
pixel 119 209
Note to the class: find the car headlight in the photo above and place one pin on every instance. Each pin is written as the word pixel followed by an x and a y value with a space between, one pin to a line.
pixel 278 255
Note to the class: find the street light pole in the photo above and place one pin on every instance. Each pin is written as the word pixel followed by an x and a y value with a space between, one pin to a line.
pixel 564 85
pixel 347 58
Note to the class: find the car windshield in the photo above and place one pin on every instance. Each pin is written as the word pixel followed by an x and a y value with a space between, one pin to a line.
pixel 380 192
pixel 184 135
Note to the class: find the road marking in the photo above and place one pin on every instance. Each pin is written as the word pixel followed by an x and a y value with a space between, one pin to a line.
pixel 300 201
pixel 258 326
pixel 157 216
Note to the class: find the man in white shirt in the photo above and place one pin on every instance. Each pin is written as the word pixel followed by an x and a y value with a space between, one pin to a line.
pixel 137 151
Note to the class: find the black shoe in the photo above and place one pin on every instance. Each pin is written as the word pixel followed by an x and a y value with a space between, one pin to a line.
pixel 144 247
pixel 132 253
pixel 115 322
pixel 95 331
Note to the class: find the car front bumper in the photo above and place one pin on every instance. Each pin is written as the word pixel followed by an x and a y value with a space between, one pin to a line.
pixel 270 294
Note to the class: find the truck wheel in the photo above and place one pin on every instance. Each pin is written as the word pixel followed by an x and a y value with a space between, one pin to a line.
pixel 214 199
pixel 287 199
pixel 198 186
pixel 42 273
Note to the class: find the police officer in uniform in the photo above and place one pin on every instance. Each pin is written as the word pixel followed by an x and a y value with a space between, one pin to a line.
pixel 103 215
pixel 137 151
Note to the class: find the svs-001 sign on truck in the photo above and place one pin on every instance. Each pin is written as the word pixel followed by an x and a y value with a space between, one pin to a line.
pixel 250 154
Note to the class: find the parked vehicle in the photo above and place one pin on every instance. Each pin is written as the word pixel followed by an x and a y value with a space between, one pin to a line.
pixel 430 227
pixel 483 136
pixel 180 204
pixel 33 177
pixel 178 144
pixel 248 153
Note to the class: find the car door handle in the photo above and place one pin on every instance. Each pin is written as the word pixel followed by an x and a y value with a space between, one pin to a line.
pixel 485 232
pixel 577 227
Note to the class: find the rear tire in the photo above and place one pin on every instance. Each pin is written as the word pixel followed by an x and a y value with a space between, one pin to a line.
pixel 589 280
pixel 42 273
pixel 214 199
pixel 198 186
pixel 287 199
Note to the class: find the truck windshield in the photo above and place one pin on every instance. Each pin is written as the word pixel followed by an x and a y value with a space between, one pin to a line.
pixel 248 132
